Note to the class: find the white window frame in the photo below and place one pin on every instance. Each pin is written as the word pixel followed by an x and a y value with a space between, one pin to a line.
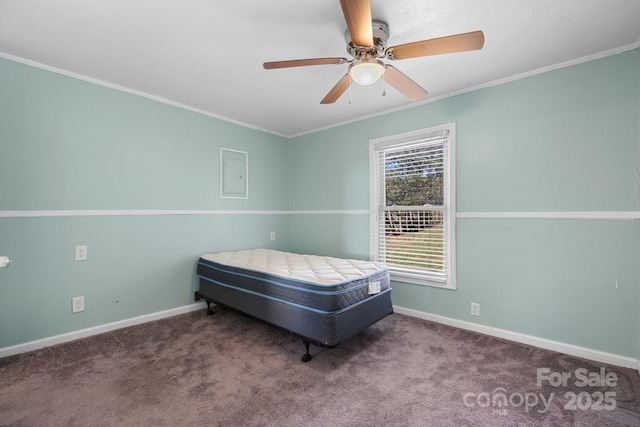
pixel 448 281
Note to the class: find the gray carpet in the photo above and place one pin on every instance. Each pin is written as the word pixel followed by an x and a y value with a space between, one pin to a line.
pixel 232 370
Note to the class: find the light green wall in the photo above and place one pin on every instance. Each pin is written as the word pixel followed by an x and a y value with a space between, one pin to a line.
pixel 70 145
pixel 566 140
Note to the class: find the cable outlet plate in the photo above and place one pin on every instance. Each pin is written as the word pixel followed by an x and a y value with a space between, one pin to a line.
pixel 77 305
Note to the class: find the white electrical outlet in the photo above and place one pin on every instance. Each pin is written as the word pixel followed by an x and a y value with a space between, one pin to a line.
pixel 77 304
pixel 475 309
pixel 81 253
pixel 273 235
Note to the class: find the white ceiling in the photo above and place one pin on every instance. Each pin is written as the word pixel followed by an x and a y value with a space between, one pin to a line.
pixel 207 55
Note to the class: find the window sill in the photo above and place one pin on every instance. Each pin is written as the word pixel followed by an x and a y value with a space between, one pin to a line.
pixel 398 277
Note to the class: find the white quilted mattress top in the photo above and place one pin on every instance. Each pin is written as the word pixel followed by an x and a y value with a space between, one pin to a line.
pixel 322 270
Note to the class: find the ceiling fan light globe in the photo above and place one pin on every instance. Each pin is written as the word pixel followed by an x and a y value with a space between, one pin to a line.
pixel 366 72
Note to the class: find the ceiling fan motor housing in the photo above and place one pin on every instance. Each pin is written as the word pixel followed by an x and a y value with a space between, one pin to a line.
pixel 380 38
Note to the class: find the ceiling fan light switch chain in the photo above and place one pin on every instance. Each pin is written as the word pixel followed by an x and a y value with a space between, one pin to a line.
pixel 384 89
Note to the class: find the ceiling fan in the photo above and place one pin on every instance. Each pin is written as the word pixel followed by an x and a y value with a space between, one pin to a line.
pixel 367 43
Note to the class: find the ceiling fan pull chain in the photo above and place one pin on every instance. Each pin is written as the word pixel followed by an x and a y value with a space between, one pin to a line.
pixel 384 90
pixel 350 84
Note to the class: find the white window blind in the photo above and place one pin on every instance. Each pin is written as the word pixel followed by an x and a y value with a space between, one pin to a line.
pixel 412 197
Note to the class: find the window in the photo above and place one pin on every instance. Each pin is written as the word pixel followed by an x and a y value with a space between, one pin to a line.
pixel 413 205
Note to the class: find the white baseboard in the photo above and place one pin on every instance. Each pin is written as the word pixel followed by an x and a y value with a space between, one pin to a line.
pixel 100 329
pixel 570 349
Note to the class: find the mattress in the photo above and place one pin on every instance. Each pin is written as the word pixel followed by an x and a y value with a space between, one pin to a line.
pixel 315 283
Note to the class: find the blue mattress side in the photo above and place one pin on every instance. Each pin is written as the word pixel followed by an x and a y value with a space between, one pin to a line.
pixel 303 307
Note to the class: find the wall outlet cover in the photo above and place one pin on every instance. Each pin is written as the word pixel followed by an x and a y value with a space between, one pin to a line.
pixel 81 253
pixel 475 309
pixel 77 304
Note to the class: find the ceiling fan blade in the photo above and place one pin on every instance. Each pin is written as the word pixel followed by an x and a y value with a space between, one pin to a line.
pixel 303 62
pixel 450 44
pixel 337 90
pixel 403 83
pixel 357 13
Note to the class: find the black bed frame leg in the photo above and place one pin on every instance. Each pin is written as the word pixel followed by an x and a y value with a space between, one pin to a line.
pixel 307 356
pixel 209 311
